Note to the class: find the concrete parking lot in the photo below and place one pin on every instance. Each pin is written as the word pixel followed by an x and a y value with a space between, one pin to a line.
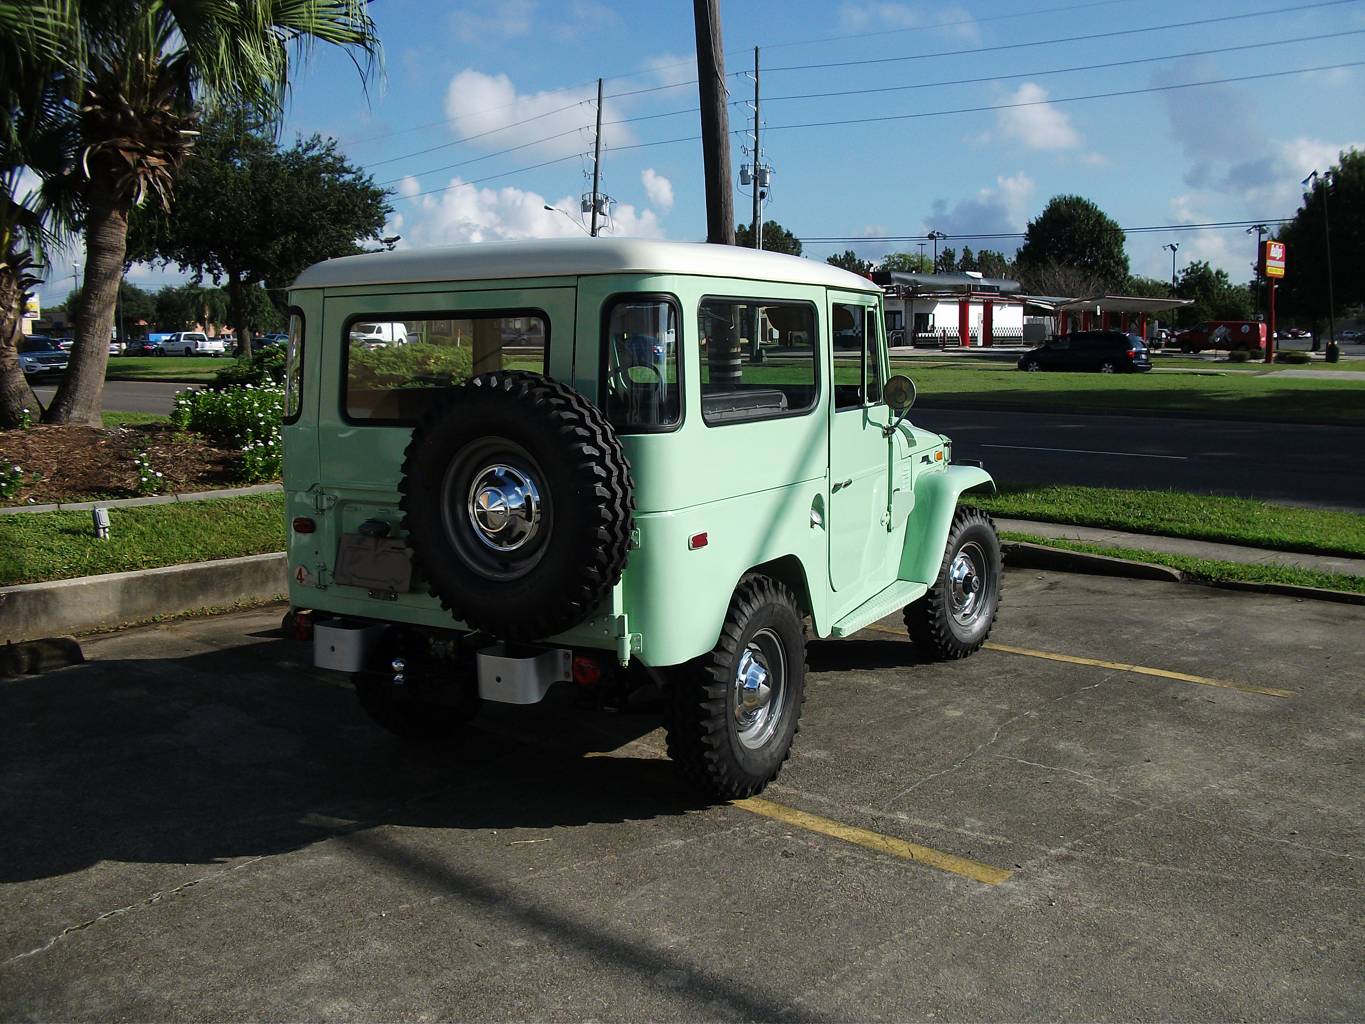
pixel 198 826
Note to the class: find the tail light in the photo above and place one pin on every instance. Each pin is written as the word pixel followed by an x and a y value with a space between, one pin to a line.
pixel 586 671
pixel 1132 353
pixel 302 524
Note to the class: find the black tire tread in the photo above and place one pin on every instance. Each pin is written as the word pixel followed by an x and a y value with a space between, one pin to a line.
pixel 926 620
pixel 697 734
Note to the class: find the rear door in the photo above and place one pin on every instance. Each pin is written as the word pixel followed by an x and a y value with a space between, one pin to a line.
pixel 371 396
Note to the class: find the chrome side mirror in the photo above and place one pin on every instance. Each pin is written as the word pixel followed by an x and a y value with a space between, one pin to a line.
pixel 899 393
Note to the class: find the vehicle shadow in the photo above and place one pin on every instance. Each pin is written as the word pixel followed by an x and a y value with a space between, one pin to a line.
pixel 248 751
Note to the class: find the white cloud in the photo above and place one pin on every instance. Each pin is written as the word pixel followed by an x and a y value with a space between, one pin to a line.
pixel 658 188
pixel 672 68
pixel 1231 251
pixel 1036 123
pixel 866 17
pixel 512 18
pixel 477 103
pixel 1003 207
pixel 468 214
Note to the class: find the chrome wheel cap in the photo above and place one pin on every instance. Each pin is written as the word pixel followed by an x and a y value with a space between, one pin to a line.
pixel 760 679
pixel 504 508
pixel 967 581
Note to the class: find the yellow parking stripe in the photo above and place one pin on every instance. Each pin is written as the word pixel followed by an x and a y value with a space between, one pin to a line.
pixel 972 869
pixel 1121 666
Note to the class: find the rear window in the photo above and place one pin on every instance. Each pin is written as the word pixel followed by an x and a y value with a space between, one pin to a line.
pixel 293 368
pixel 399 370
pixel 757 359
pixel 643 383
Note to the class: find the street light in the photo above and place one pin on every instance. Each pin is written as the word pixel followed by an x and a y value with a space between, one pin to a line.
pixel 1173 246
pixel 1260 230
pixel 1327 179
pixel 921 254
pixel 572 220
pixel 934 236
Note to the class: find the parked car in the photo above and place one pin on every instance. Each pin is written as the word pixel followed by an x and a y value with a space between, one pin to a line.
pixel 40 356
pixel 273 339
pixel 1102 351
pixel 378 335
pixel 463 541
pixel 116 347
pixel 190 343
pixel 1350 334
pixel 1228 335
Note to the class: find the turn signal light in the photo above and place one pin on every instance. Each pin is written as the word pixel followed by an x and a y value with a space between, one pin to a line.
pixel 938 456
pixel 302 524
pixel 697 540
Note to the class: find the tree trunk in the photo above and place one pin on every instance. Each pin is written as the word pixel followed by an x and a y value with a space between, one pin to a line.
pixel 237 313
pixel 106 243
pixel 15 394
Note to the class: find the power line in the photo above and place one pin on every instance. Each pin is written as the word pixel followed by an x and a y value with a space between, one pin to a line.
pixel 492 177
pixel 1144 229
pixel 1112 34
pixel 489 156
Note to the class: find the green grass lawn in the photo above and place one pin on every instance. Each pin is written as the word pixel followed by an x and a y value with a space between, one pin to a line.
pixel 1178 514
pixel 194 368
pixel 132 419
pixel 42 546
pixel 1207 569
pixel 1241 395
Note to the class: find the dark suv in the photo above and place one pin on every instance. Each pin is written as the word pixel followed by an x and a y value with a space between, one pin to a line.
pixel 1105 351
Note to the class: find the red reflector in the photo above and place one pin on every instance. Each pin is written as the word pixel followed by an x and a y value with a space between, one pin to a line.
pixel 697 540
pixel 586 671
pixel 302 524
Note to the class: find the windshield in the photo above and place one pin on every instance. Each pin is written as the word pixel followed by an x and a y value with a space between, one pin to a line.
pixel 38 345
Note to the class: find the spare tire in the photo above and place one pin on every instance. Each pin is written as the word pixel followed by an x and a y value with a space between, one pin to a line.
pixel 518 505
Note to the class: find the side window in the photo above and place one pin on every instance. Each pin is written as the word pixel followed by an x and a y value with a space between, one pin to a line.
pixel 758 359
pixel 641 352
pixel 398 370
pixel 1059 344
pixel 293 369
pixel 872 362
pixel 848 325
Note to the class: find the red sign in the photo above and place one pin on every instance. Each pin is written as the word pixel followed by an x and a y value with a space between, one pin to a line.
pixel 1272 260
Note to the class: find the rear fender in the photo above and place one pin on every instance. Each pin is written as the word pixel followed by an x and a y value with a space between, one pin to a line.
pixel 936 499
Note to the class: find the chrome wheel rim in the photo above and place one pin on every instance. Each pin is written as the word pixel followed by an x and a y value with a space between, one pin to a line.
pixel 1032 367
pixel 1107 368
pixel 504 508
pixel 759 689
pixel 968 583
pixel 495 509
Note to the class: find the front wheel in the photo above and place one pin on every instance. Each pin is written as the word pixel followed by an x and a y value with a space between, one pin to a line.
pixel 955 616
pixel 1032 366
pixel 735 711
pixel 1108 367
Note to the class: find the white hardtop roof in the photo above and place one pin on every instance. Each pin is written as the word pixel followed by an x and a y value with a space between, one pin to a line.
pixel 569 257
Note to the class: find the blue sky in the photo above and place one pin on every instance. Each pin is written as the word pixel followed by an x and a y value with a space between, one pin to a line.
pixel 1220 152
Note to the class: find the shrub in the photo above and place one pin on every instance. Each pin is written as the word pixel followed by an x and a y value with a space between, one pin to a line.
pixel 266 366
pixel 149 481
pixel 245 417
pixel 1293 357
pixel 11 479
pixel 409 366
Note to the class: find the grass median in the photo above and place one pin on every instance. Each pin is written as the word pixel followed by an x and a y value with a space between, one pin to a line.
pixel 165 368
pixel 1207 569
pixel 1264 397
pixel 1180 514
pixel 40 546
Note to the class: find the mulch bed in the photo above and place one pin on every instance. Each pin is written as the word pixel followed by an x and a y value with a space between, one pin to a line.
pixel 84 463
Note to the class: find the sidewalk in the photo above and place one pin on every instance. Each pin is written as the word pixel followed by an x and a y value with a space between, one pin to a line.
pixel 1180 546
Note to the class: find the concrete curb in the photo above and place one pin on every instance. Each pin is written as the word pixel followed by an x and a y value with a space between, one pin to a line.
pixel 35 610
pixel 154 499
pixel 1023 555
pixel 1290 590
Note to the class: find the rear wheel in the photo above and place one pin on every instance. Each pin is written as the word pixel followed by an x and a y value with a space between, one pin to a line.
pixel 955 616
pixel 1108 367
pixel 1032 366
pixel 735 711
pixel 188 352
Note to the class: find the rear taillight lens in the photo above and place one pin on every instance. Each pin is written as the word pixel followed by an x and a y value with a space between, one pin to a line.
pixel 1132 353
pixel 302 524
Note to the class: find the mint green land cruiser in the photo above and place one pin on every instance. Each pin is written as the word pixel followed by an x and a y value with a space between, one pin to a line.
pixel 616 464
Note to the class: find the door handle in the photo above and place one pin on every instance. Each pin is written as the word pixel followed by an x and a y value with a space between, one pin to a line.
pixel 842 484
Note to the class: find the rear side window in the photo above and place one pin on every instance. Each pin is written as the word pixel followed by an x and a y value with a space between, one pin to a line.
pixel 398 370
pixel 293 368
pixel 643 384
pixel 758 359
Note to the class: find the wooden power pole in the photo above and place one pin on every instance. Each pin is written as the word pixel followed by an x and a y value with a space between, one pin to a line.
pixel 758 162
pixel 597 160
pixel 715 123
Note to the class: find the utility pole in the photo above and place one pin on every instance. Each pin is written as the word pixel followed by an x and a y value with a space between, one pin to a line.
pixel 1325 180
pixel 1260 230
pixel 596 161
pixel 758 163
pixel 715 123
pixel 935 236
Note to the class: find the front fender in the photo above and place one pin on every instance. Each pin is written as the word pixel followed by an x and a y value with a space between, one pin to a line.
pixel 936 498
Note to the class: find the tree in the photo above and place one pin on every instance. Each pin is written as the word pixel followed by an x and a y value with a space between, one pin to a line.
pixel 1215 296
pixel 188 307
pixel 35 139
pixel 967 261
pixel 1147 287
pixel 1074 232
pixel 252 214
pixel 907 262
pixel 1063 280
pixel 1303 293
pixel 138 303
pixel 851 261
pixel 776 238
pixel 995 264
pixel 145 69
pixel 947 261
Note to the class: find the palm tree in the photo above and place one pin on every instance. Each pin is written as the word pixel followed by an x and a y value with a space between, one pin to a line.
pixel 34 143
pixel 148 67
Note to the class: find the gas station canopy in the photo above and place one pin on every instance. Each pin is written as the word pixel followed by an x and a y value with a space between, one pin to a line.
pixel 1116 304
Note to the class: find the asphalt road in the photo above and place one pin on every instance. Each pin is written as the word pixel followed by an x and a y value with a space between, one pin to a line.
pixel 200 826
pixel 1300 465
pixel 128 396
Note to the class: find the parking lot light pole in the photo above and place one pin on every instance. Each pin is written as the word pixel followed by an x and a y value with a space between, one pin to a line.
pixel 934 236
pixel 1173 246
pixel 1326 179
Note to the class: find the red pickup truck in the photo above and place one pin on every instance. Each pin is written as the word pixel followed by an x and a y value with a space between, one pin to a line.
pixel 1232 335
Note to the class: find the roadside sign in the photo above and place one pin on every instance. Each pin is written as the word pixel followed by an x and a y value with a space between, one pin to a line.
pixel 33 309
pixel 1272 260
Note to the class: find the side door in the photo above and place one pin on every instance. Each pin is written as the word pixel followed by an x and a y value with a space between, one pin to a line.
pixel 858 453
